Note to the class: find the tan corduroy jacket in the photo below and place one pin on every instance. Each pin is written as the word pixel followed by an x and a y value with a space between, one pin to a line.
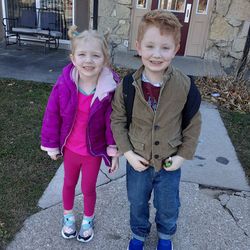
pixel 156 135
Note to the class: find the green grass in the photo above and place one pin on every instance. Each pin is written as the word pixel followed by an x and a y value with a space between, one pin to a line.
pixel 238 127
pixel 25 170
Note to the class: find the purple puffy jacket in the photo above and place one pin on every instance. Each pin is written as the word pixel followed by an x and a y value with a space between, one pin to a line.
pixel 61 110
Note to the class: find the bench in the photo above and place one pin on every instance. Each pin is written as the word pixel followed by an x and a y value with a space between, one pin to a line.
pixel 35 25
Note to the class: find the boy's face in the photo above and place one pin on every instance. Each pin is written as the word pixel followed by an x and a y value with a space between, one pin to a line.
pixel 157 51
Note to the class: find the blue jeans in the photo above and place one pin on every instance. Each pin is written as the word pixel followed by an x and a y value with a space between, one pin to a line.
pixel 166 200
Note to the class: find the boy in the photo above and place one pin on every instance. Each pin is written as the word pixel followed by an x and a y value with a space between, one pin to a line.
pixel 164 129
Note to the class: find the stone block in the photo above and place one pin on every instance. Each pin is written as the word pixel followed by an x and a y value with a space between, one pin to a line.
pixel 239 9
pixel 221 30
pixel 222 7
pixel 106 8
pixel 238 45
pixel 123 11
pixel 244 30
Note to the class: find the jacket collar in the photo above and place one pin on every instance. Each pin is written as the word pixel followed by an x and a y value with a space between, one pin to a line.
pixel 105 83
pixel 167 74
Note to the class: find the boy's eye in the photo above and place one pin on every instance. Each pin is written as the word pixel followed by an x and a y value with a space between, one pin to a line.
pixel 149 46
pixel 81 54
pixel 166 48
pixel 97 56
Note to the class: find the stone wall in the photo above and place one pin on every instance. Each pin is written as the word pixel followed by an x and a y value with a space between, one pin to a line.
pixel 228 30
pixel 115 15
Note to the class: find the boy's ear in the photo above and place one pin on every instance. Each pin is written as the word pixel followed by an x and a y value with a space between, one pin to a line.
pixel 177 48
pixel 138 47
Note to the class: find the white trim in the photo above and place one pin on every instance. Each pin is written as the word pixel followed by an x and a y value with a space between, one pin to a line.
pixel 73 12
pixel 38 4
pixel 3 9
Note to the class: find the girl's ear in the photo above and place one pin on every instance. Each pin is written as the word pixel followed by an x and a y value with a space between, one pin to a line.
pixel 72 59
pixel 138 47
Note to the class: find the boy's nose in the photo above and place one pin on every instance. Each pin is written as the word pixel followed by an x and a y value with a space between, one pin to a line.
pixel 157 52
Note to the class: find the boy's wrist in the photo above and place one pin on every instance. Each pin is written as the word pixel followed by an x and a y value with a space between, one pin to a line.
pixel 128 153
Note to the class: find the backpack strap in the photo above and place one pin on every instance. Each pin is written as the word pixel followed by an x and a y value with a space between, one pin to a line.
pixel 192 104
pixel 128 96
pixel 191 107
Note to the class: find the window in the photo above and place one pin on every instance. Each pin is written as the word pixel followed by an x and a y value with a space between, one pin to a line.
pixel 173 5
pixel 202 7
pixel 141 4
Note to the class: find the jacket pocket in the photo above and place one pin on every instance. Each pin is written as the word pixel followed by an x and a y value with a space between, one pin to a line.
pixel 175 142
pixel 137 145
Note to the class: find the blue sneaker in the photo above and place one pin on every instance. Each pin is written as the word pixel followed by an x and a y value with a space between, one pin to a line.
pixel 164 245
pixel 135 244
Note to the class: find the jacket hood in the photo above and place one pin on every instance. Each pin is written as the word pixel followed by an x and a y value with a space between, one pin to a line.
pixel 105 84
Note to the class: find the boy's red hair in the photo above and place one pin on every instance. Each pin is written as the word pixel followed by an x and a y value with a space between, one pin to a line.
pixel 164 20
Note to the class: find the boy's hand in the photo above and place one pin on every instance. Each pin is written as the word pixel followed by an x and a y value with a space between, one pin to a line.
pixel 177 161
pixel 114 164
pixel 136 161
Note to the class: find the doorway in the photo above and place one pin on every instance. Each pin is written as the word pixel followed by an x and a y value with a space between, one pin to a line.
pixel 181 8
pixel 194 15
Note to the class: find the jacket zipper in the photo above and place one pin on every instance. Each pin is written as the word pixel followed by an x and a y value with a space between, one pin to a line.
pixel 71 126
pixel 91 151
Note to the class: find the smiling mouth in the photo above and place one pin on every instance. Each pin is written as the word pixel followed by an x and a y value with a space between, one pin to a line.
pixel 156 62
pixel 89 68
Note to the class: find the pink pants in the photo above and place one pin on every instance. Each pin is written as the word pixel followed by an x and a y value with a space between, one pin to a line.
pixel 89 166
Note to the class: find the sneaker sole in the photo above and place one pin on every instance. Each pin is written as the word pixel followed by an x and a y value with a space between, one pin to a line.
pixel 85 241
pixel 171 248
pixel 68 237
pixel 142 248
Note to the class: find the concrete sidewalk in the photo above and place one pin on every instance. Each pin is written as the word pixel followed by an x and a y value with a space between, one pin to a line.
pixel 215 195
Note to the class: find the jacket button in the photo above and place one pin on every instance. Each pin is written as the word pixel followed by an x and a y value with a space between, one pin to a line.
pixel 156 127
pixel 156 156
pixel 157 142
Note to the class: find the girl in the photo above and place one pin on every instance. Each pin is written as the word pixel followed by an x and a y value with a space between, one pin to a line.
pixel 76 125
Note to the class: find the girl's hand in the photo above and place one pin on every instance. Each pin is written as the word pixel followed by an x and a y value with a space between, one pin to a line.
pixel 114 164
pixel 136 161
pixel 55 157
pixel 177 161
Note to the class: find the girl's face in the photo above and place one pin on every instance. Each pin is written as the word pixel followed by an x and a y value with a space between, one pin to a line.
pixel 88 58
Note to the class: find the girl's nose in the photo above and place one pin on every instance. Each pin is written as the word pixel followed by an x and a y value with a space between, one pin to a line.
pixel 88 59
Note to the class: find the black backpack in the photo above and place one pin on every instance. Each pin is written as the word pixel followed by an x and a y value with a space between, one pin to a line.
pixel 191 107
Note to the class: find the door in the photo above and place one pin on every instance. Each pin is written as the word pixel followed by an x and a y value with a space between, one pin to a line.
pixel 140 7
pixel 182 9
pixel 201 15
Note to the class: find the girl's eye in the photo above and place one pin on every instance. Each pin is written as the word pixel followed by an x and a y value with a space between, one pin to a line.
pixel 97 56
pixel 81 54
pixel 166 48
pixel 149 46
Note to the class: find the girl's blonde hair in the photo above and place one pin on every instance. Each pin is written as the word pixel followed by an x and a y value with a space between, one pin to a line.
pixel 75 37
